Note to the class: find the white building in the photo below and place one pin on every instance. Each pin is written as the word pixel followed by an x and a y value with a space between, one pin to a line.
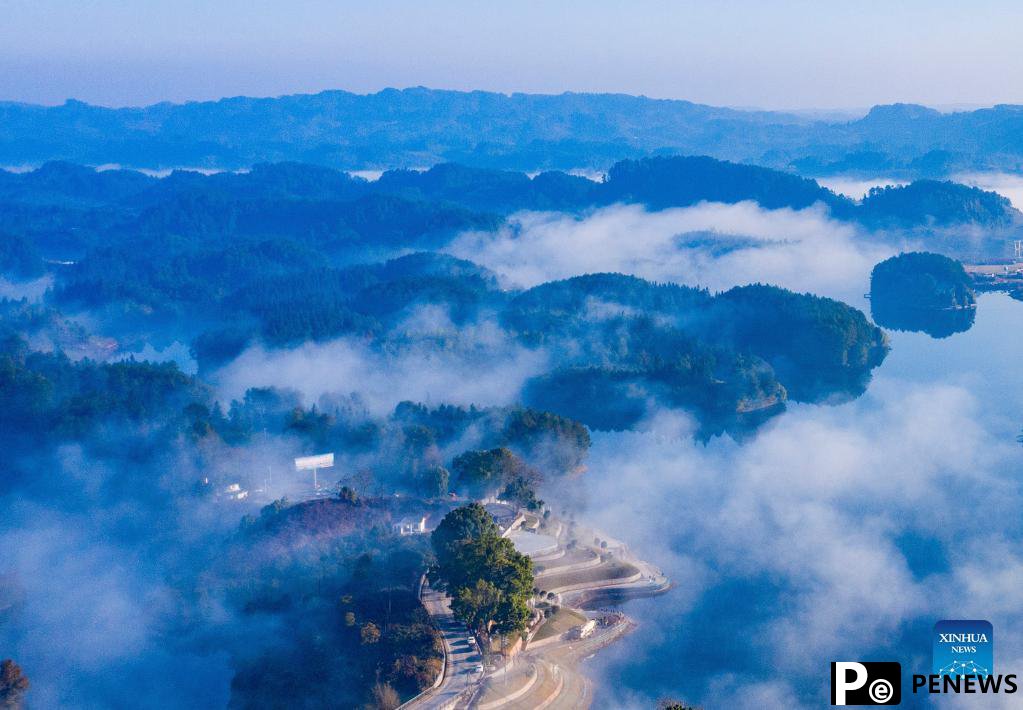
pixel 234 492
pixel 410 526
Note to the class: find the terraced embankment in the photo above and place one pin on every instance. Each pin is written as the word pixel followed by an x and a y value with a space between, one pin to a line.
pixel 546 673
pixel 567 561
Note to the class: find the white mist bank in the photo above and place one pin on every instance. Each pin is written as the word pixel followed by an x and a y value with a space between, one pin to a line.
pixel 842 531
pixel 857 188
pixel 1006 185
pixel 713 245
pixel 820 504
pixel 32 291
pixel 484 369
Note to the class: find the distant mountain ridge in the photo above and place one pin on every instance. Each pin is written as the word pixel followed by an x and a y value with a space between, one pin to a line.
pixel 284 197
pixel 419 127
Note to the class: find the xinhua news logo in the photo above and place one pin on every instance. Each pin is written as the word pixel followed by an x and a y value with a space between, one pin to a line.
pixel 963 661
pixel 863 683
pixel 963 647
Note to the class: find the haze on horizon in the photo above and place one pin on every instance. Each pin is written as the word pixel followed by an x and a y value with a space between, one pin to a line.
pixel 787 55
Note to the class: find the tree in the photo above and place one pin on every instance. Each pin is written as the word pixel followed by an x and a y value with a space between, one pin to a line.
pixel 275 508
pixel 13 685
pixel 560 443
pixel 348 495
pixel 485 471
pixel 427 672
pixel 521 492
pixel 436 480
pixel 461 524
pixel 477 606
pixel 385 697
pixel 672 704
pixel 490 582
pixel 369 633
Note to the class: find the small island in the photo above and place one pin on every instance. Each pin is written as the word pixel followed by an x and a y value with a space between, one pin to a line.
pixel 733 359
pixel 922 292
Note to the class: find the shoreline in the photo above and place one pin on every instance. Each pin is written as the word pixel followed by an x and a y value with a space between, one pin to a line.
pixel 561 656
pixel 579 581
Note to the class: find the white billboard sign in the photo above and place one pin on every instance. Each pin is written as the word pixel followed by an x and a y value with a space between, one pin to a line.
pixel 309 463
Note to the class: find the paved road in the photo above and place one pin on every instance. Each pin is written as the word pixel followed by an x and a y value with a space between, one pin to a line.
pixel 560 684
pixel 547 685
pixel 577 690
pixel 463 657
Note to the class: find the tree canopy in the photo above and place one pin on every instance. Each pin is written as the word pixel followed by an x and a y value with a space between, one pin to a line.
pixel 489 581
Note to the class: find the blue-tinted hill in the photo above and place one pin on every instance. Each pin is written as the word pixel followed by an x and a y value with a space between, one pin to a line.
pixel 419 127
pixel 406 207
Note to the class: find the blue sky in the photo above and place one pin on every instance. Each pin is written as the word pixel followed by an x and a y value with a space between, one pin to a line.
pixel 781 54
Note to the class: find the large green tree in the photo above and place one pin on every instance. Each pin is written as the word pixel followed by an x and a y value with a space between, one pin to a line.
pixel 490 582
pixel 478 605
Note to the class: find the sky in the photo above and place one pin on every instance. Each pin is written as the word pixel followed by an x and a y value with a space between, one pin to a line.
pixel 784 54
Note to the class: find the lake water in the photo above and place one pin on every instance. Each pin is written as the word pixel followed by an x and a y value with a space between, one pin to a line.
pixel 838 533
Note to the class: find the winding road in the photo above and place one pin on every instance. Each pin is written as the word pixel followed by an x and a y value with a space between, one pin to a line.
pixel 462 656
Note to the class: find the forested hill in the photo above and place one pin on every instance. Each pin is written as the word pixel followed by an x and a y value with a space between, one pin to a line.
pixel 419 127
pixel 612 343
pixel 619 339
pixel 67 208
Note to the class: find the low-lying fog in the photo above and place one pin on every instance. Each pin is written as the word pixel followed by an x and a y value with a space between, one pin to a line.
pixel 1006 185
pixel 712 245
pixel 838 532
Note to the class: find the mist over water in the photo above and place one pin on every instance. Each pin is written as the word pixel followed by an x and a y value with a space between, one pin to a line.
pixel 838 533
pixel 592 275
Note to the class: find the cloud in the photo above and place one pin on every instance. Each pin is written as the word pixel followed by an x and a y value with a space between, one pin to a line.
pixel 33 291
pixel 90 634
pixel 797 548
pixel 96 618
pixel 711 244
pixel 471 364
pixel 1004 184
pixel 176 352
pixel 857 188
